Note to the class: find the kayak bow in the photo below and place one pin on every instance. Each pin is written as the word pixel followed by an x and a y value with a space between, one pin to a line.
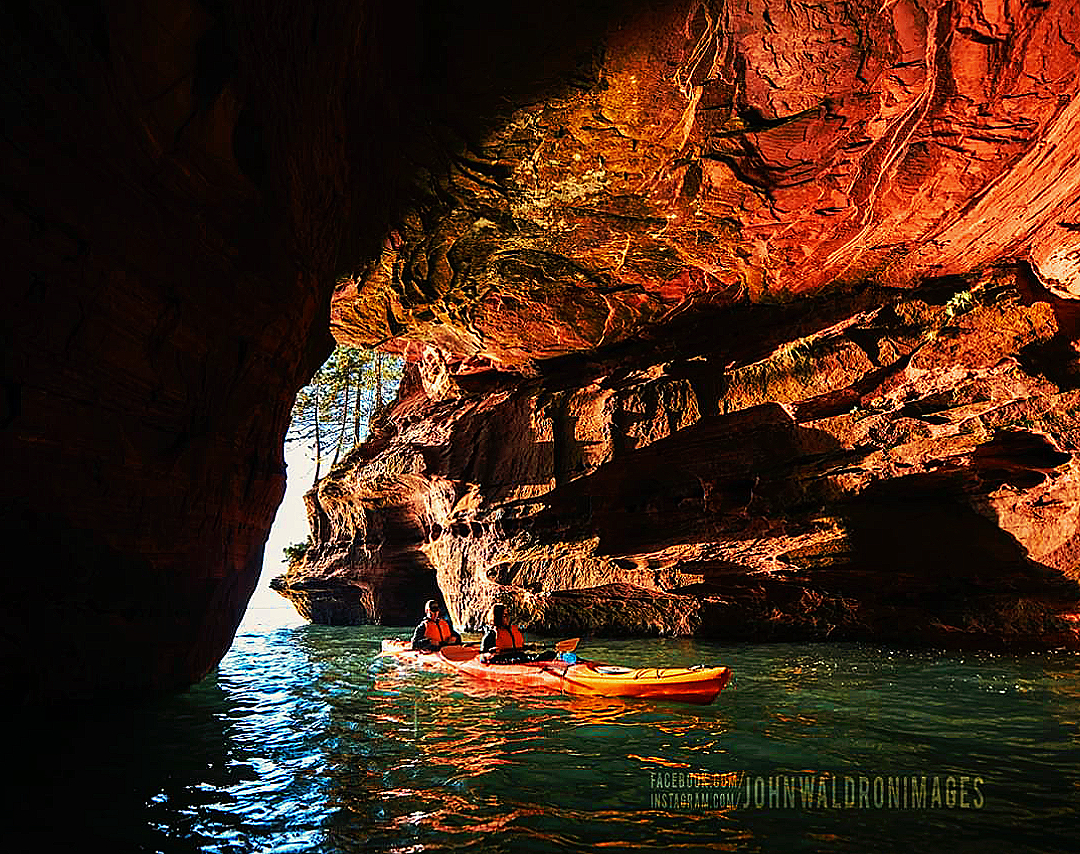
pixel 681 684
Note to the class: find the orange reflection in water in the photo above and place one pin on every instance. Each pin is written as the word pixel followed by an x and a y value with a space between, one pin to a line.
pixel 657 760
pixel 484 754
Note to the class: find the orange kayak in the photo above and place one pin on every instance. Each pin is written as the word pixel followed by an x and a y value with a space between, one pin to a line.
pixel 680 684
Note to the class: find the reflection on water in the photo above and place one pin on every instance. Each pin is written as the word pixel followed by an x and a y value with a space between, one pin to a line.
pixel 304 741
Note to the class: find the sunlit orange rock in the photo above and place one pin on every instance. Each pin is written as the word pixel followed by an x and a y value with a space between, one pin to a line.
pixel 712 154
pixel 903 470
pixel 788 289
pixel 605 233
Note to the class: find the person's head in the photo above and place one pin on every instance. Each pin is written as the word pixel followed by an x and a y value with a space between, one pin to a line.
pixel 498 615
pixel 432 608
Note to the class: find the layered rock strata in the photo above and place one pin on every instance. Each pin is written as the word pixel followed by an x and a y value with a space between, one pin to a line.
pixel 768 309
pixel 513 194
pixel 905 469
pixel 710 154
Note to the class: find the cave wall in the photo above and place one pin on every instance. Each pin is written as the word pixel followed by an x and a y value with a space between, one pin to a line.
pixel 708 154
pixel 503 191
pixel 905 472
pixel 765 319
pixel 184 179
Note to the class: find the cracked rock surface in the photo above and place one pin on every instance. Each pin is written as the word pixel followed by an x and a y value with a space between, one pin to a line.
pixel 759 324
pixel 905 470
pixel 765 309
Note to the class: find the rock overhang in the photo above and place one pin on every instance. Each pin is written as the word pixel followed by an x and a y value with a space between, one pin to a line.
pixel 738 300
pixel 574 194
pixel 706 156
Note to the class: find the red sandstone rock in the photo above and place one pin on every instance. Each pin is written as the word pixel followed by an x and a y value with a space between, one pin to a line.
pixel 712 158
pixel 714 154
pixel 176 204
pixel 603 230
pixel 906 473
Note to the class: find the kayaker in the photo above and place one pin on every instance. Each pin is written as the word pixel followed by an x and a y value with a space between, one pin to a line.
pixel 501 636
pixel 503 643
pixel 434 630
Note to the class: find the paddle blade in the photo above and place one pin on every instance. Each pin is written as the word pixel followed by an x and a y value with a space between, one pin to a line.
pixel 460 652
pixel 567 645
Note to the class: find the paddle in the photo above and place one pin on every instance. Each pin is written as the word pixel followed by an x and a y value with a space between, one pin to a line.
pixel 459 652
pixel 568 645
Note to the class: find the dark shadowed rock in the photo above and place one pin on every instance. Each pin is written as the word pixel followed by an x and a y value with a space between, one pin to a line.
pixel 682 285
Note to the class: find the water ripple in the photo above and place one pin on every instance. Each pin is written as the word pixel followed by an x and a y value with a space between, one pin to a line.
pixel 303 741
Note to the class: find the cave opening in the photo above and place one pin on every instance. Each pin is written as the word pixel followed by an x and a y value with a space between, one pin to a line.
pixel 737 333
pixel 343 406
pixel 598 234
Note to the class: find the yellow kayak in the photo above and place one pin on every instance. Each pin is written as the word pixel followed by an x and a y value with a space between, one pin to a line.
pixel 680 684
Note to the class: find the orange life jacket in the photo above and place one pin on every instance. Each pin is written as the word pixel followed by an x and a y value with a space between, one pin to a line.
pixel 508 637
pixel 436 631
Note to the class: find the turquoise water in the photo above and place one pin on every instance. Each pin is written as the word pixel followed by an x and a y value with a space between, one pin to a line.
pixel 303 741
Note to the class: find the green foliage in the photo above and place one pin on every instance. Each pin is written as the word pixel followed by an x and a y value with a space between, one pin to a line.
pixel 797 357
pixel 795 360
pixel 866 410
pixel 960 303
pixel 296 551
pixel 332 414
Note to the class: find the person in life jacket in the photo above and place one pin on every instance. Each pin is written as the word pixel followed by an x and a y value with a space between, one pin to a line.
pixel 501 636
pixel 503 643
pixel 434 631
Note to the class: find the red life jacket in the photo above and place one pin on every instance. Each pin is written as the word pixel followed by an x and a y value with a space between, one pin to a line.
pixel 508 637
pixel 436 631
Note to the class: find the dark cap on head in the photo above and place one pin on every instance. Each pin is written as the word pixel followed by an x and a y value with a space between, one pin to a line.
pixel 431 605
pixel 497 611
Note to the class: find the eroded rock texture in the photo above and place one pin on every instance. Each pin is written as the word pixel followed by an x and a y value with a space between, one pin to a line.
pixel 712 154
pixel 180 180
pixel 588 223
pixel 906 471
pixel 763 322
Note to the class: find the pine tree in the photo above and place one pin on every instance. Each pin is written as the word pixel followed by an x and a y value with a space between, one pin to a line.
pixel 332 413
